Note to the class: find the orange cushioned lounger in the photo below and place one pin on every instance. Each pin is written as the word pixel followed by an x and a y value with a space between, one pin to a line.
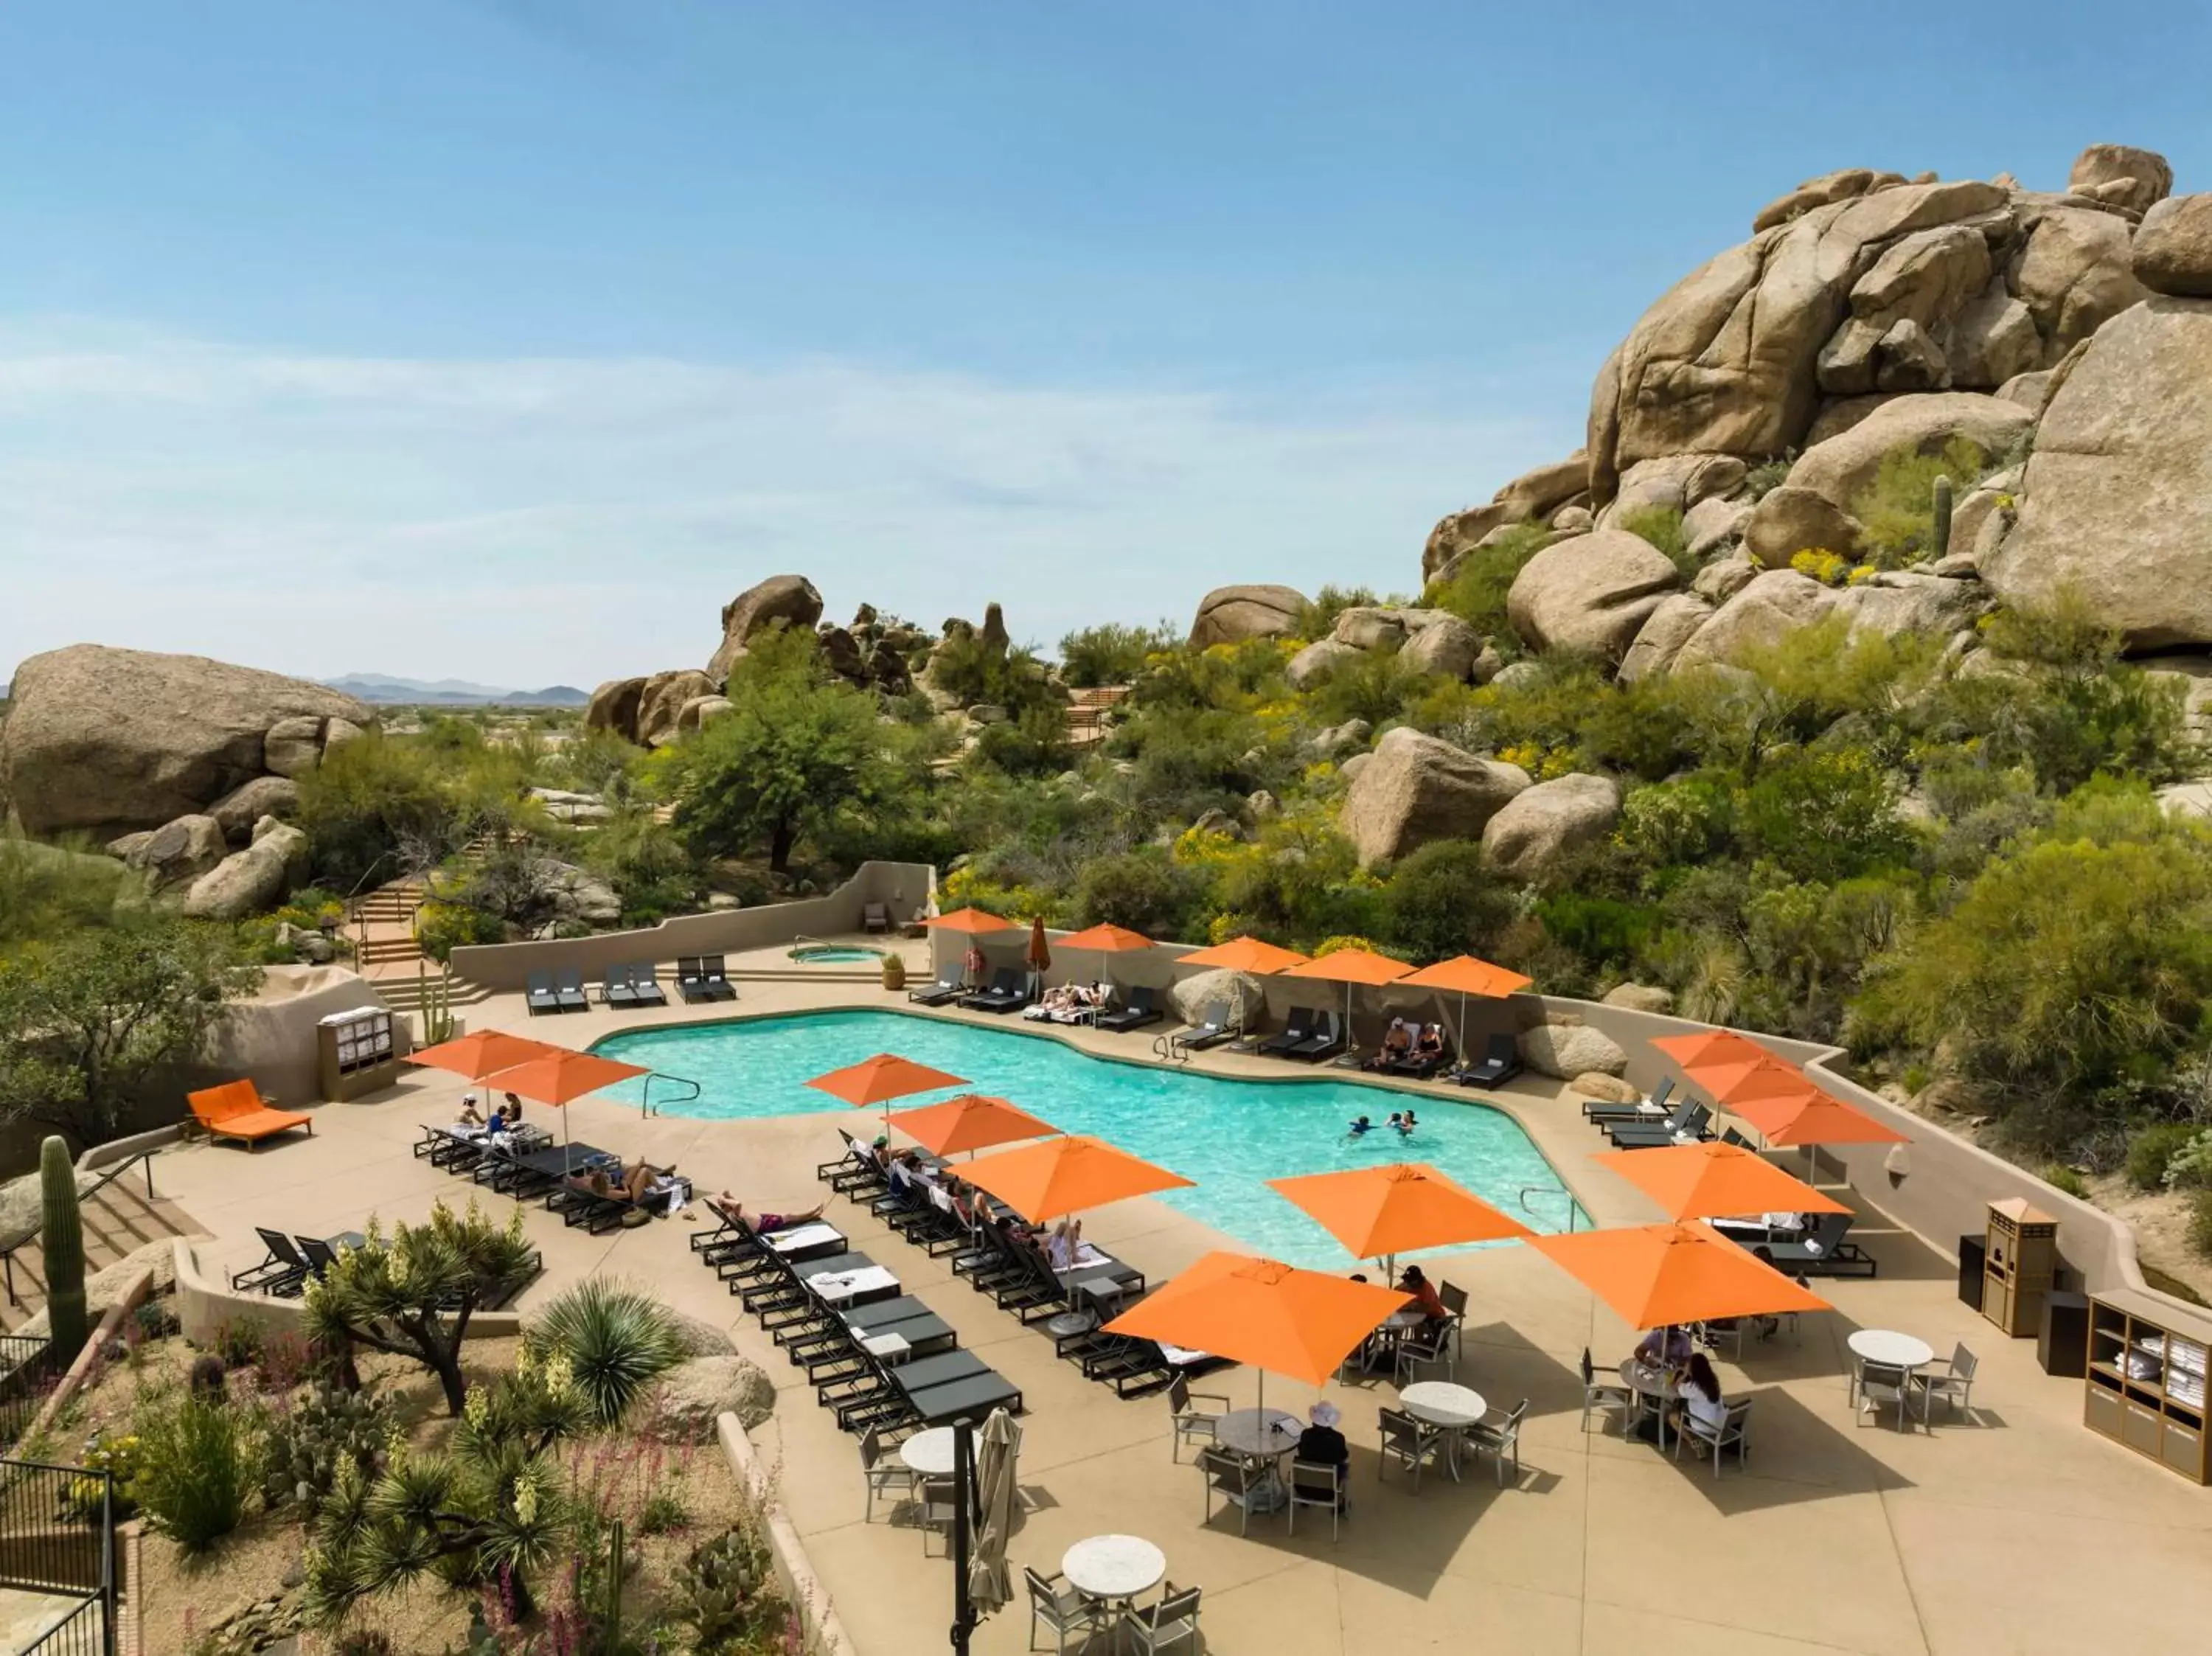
pixel 234 1110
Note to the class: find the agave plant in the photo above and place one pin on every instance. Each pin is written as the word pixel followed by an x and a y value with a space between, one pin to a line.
pixel 617 1340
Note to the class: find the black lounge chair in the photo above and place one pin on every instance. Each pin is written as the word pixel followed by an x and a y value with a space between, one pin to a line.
pixel 1823 1250
pixel 1140 1011
pixel 1208 1032
pixel 569 989
pixel 1005 994
pixel 1602 1112
pixel 715 974
pixel 1326 1038
pixel 645 988
pixel 940 993
pixel 1298 1029
pixel 280 1275
pixel 691 980
pixel 1693 1120
pixel 615 987
pixel 542 997
pixel 1501 1062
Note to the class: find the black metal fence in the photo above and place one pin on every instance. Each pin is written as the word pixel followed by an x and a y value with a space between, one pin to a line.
pixel 57 1536
pixel 26 1366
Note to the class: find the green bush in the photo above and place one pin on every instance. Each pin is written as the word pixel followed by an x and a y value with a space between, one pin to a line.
pixel 2190 1168
pixel 1113 653
pixel 1443 901
pixel 1476 592
pixel 443 927
pixel 1662 525
pixel 2059 1176
pixel 1146 890
pixel 2200 1222
pixel 198 1463
pixel 1896 509
pixel 1033 743
pixel 1317 618
pixel 2152 1149
pixel 615 1338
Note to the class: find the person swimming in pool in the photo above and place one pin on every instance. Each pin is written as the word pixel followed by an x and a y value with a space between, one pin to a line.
pixel 1411 1122
pixel 1404 1123
pixel 1396 1123
pixel 1359 1127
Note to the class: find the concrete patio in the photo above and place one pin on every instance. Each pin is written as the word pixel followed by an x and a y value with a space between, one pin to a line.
pixel 2021 1532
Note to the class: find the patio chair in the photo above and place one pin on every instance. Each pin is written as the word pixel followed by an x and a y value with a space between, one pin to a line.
pixel 875 916
pixel 1734 1432
pixel 1953 1385
pixel 281 1274
pixel 1606 1397
pixel 1006 993
pixel 1876 1385
pixel 1210 1031
pixel 691 980
pixel 1140 1011
pixel 1607 1109
pixel 645 988
pixel 1455 1299
pixel 1501 1437
pixel 569 989
pixel 1431 1342
pixel 1298 1027
pixel 1691 1122
pixel 1327 1037
pixel 1732 1137
pixel 541 996
pixel 947 989
pixel 1822 1251
pixel 615 987
pixel 1058 1605
pixel 1409 1443
pixel 1172 1621
pixel 319 1254
pixel 1501 1062
pixel 1233 1478
pixel 885 1477
pixel 1315 1484
pixel 1717 1331
pixel 237 1110
pixel 1191 1423
pixel 714 976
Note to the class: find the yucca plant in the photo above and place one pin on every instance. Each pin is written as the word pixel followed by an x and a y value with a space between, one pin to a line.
pixel 617 1340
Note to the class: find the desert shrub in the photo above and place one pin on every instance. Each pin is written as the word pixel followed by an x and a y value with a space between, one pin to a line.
pixel 197 1465
pixel 1113 653
pixel 1476 592
pixel 443 927
pixel 1378 686
pixel 2059 1176
pixel 663 1513
pixel 2200 1222
pixel 725 1589
pixel 1897 510
pixel 1669 822
pixel 1144 889
pixel 1662 525
pixel 1033 743
pixel 48 891
pixel 1767 475
pixel 1442 901
pixel 2189 1166
pixel 1317 618
pixel 616 1339
pixel 2151 1150
pixel 1823 815
pixel 1599 930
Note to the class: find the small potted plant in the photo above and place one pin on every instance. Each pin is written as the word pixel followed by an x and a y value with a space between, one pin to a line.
pixel 894 972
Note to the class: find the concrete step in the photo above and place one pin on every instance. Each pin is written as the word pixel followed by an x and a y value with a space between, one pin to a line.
pixel 117 1219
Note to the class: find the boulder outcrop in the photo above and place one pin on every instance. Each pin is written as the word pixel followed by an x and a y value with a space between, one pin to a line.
pixel 249 881
pixel 1589 592
pixel 789 599
pixel 1230 615
pixel 111 741
pixel 1539 825
pixel 2173 250
pixel 661 702
pixel 1415 789
pixel 1660 639
pixel 1564 1051
pixel 1839 469
pixel 1194 994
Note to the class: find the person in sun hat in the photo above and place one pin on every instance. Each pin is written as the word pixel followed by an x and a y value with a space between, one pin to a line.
pixel 1322 1444
pixel 470 1116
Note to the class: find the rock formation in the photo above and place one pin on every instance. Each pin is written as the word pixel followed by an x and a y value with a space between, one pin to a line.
pixel 1230 615
pixel 1538 827
pixel 1416 789
pixel 1590 593
pixel 112 742
pixel 789 599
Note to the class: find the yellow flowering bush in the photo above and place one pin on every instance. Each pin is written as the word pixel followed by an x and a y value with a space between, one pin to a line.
pixel 1827 567
pixel 1860 575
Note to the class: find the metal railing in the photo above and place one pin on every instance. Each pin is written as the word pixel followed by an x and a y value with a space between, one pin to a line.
pixel 26 1363
pixel 646 1104
pixel 57 1536
pixel 1567 1196
pixel 8 1253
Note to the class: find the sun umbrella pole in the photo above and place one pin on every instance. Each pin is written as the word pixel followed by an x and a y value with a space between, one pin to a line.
pixel 964 1466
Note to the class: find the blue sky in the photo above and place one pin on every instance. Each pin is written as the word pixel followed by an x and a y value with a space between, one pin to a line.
pixel 509 339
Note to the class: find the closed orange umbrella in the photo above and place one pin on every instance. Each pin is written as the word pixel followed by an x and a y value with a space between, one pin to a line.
pixel 1465 975
pixel 561 1076
pixel 1302 1324
pixel 881 1078
pixel 970 1122
pixel 1067 1175
pixel 1351 967
pixel 1378 1213
pixel 1243 954
pixel 1710 1046
pixel 1823 1118
pixel 1716 1181
pixel 1107 940
pixel 1658 1276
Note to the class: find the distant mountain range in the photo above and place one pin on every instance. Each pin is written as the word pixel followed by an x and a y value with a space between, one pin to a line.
pixel 454 692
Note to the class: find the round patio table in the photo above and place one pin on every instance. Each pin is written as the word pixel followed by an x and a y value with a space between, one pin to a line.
pixel 929 1452
pixel 1110 1571
pixel 1266 1435
pixel 1440 1402
pixel 1886 1348
pixel 1654 1387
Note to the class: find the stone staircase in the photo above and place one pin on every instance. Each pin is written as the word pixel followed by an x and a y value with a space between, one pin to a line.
pixel 118 1218
pixel 385 952
pixel 1087 713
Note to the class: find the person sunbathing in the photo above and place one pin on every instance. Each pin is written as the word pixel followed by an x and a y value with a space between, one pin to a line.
pixel 1397 1042
pixel 731 1211
pixel 1430 1047
pixel 470 1116
pixel 1065 1249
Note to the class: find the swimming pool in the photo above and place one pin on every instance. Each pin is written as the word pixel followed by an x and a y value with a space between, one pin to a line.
pixel 832 954
pixel 1229 1136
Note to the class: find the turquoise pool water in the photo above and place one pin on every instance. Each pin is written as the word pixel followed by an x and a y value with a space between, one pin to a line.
pixel 835 955
pixel 1229 1136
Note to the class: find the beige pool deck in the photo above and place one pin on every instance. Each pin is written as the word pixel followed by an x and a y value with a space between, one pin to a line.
pixel 2019 1533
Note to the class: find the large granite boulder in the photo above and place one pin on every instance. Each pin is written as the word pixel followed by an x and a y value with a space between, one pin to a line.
pixel 791 600
pixel 179 852
pixel 1532 497
pixel 250 880
pixel 237 811
pixel 2075 272
pixel 660 704
pixel 110 741
pixel 2120 173
pixel 1837 469
pixel 1317 661
pixel 1194 994
pixel 1415 789
pixel 1771 605
pixel 1532 830
pixel 2173 250
pixel 1564 1051
pixel 2115 503
pixel 1230 615
pixel 1790 521
pixel 1903 601
pixel 1446 648
pixel 613 707
pixel 1589 592
pixel 692 1397
pixel 1660 639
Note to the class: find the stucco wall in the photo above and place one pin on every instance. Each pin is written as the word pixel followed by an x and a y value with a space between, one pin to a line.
pixel 906 887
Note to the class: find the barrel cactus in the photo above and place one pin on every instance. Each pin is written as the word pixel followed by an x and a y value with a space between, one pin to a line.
pixel 61 1238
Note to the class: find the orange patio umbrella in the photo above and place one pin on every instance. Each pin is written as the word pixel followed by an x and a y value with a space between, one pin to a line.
pixel 970 1122
pixel 1244 955
pixel 1738 1084
pixel 1067 1175
pixel 559 1076
pixel 1109 941
pixel 1274 1317
pixel 1716 1181
pixel 484 1053
pixel 969 922
pixel 1465 975
pixel 1659 1276
pixel 1822 1119
pixel 1378 1213
pixel 881 1078
pixel 1352 968
pixel 1707 1048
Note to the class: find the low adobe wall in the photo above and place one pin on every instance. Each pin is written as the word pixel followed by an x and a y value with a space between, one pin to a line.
pixel 904 888
pixel 207 1304
pixel 802 1588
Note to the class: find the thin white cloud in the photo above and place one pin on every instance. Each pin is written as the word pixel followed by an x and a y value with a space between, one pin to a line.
pixel 531 520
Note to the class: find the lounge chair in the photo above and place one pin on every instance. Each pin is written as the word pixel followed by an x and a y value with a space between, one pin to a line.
pixel 280 1274
pixel 237 1110
pixel 1823 1250
pixel 1005 994
pixel 1326 1038
pixel 319 1254
pixel 542 997
pixel 569 989
pixel 1298 1027
pixel 691 981
pixel 1210 1031
pixel 1601 1110
pixel 645 988
pixel 875 916
pixel 945 991
pixel 716 977
pixel 1691 1124
pixel 1138 1012
pixel 1501 1062
pixel 615 987
pixel 1417 1065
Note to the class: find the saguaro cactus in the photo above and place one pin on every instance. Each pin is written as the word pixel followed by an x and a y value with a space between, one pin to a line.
pixel 1942 543
pixel 61 1238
